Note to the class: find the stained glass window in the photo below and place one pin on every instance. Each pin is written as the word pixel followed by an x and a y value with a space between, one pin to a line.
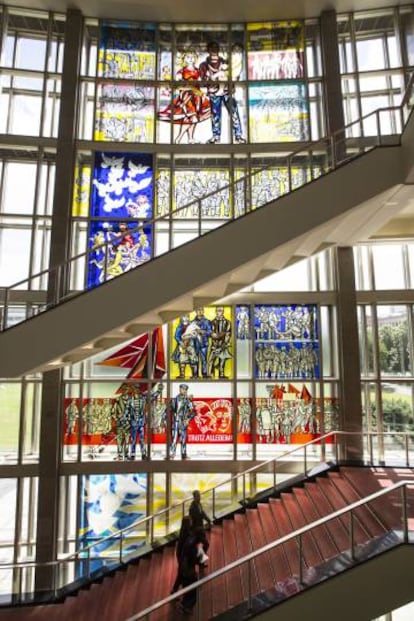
pixel 127 50
pixel 278 112
pixel 286 342
pixel 275 50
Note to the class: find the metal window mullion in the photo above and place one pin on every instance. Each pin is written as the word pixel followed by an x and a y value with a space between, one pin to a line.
pixel 95 82
pixel 156 85
pixel 253 422
pixel 168 398
pixel 321 373
pixel 234 384
pixel 410 337
pixel 356 69
pixel 22 420
pixel 172 81
pixel 31 513
pixel 246 83
pixel 45 76
pixel 80 416
pixel 31 269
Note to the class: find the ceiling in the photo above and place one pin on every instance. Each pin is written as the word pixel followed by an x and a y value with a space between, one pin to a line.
pixel 202 11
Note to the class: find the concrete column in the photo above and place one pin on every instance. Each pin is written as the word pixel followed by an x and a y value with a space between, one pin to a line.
pixel 334 112
pixel 52 393
pixel 66 152
pixel 348 349
pixel 48 493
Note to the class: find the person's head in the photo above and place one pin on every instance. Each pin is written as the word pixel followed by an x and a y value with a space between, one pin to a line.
pixel 196 495
pixel 200 311
pixel 183 389
pixel 219 311
pixel 213 47
pixel 142 199
pixel 190 57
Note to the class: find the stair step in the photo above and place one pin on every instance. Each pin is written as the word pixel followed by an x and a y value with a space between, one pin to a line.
pixel 280 563
pixel 367 517
pixel 291 548
pixel 322 537
pixel 311 553
pixel 234 589
pixel 244 547
pixel 369 481
pixel 336 527
pixel 263 564
pixel 360 534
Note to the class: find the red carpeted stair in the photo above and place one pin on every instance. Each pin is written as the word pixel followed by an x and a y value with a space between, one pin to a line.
pixel 149 580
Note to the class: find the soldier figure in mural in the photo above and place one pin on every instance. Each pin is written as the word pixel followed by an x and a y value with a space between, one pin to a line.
pixel 243 323
pixel 72 415
pixel 220 343
pixel 201 343
pixel 183 411
pixel 120 416
pixel 245 411
pixel 185 351
pixel 137 408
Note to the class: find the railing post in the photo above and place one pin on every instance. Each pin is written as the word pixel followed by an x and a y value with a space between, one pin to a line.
pixel 244 487
pixel 274 473
pixel 198 605
pixel 371 450
pixel 404 514
pixel 249 585
pixel 336 449
pixel 377 115
pixel 351 534
pixel 214 503
pixel 300 560
pixel 305 460
pixel 199 217
pixel 5 308
pixel 58 284
pixel 105 270
pixel 88 562
pixel 407 453
pixel 289 165
pixel 121 547
pixel 152 527
pixel 333 147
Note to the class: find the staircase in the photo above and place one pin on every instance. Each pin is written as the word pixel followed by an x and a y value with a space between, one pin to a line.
pixel 275 575
pixel 343 200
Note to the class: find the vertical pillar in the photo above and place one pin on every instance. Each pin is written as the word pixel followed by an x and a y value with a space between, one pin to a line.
pixel 334 112
pixel 52 392
pixel 66 149
pixel 348 349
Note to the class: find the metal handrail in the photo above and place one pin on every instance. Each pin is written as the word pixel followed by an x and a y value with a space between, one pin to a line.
pixel 285 539
pixel 84 553
pixel 177 506
pixel 331 142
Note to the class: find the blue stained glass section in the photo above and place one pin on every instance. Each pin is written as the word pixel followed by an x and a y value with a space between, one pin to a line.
pixel 109 503
pixel 122 185
pixel 286 342
pixel 126 250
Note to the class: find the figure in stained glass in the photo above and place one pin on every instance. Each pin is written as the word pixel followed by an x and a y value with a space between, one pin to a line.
pixel 191 106
pixel 214 71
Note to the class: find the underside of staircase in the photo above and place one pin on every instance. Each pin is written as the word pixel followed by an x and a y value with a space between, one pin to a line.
pixel 275 575
pixel 339 208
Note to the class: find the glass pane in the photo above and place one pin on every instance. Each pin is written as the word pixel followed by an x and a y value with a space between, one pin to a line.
pixel 127 50
pixel 384 256
pixel 394 340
